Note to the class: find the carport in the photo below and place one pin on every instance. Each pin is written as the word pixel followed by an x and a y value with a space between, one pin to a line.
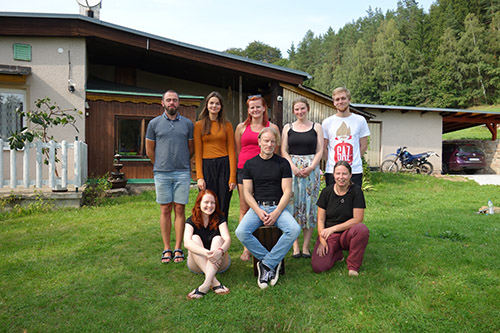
pixel 454 120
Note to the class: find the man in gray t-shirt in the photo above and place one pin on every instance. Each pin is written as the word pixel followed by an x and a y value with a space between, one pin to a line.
pixel 169 146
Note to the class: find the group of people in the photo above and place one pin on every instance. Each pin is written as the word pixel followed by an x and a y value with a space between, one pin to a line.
pixel 273 190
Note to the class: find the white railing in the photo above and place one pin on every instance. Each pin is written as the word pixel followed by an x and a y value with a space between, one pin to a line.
pixel 80 165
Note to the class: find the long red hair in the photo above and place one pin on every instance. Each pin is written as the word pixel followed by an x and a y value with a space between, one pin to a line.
pixel 265 117
pixel 196 214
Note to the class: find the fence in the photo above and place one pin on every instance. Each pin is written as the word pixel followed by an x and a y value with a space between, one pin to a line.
pixel 79 164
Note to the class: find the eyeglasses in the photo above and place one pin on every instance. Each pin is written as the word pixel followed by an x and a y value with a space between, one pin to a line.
pixel 252 96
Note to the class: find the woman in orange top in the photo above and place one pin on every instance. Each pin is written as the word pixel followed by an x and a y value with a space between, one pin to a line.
pixel 214 151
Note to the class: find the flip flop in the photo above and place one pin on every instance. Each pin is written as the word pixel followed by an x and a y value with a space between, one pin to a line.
pixel 219 287
pixel 181 256
pixel 306 255
pixel 195 292
pixel 297 255
pixel 164 257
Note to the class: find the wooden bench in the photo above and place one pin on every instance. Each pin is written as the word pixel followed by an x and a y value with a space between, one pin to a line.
pixel 268 236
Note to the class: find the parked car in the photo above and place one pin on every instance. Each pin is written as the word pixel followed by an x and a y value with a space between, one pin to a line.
pixel 465 157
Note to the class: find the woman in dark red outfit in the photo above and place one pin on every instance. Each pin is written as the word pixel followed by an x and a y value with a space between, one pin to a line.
pixel 341 208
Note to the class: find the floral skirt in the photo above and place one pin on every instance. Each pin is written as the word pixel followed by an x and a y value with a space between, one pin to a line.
pixel 305 192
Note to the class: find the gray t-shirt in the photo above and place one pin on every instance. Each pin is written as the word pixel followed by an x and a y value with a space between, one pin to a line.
pixel 171 147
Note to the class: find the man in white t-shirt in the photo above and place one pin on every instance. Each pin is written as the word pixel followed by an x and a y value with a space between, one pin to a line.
pixel 346 137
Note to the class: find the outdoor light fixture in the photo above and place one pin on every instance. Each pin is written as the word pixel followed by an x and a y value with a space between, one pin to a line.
pixel 71 85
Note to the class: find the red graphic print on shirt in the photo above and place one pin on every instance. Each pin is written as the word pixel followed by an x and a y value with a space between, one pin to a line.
pixel 343 149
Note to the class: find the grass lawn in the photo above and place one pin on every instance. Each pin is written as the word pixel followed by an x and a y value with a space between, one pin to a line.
pixel 432 264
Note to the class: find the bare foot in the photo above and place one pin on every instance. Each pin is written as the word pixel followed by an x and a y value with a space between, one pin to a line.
pixel 246 255
pixel 353 273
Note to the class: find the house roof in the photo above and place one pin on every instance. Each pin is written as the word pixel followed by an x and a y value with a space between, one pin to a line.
pixel 453 119
pixel 109 43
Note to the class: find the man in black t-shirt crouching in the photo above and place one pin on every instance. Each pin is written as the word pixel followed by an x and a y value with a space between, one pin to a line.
pixel 267 184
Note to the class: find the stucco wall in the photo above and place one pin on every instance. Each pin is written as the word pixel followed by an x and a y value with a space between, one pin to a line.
pixel 49 78
pixel 50 70
pixel 419 132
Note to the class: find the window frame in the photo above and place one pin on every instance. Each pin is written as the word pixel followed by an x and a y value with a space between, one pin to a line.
pixel 24 93
pixel 142 132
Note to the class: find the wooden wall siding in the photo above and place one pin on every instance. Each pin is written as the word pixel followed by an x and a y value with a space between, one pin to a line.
pixel 138 170
pixel 100 135
pixel 318 112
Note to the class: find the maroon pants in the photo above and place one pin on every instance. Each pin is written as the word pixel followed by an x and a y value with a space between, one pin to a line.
pixel 354 240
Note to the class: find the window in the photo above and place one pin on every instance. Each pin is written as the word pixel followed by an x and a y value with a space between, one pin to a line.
pixel 131 136
pixel 10 101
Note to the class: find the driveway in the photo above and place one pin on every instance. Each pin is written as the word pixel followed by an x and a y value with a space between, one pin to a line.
pixel 485 179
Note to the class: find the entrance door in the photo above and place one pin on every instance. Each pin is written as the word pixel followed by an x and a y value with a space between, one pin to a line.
pixel 373 154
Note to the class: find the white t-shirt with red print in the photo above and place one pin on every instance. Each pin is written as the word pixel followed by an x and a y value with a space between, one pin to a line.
pixel 343 134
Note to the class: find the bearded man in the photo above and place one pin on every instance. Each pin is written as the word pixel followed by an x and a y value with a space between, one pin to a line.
pixel 169 146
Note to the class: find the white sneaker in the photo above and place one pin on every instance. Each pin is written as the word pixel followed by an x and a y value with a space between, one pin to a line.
pixel 276 274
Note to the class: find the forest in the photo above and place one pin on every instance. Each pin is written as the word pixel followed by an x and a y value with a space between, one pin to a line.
pixel 446 57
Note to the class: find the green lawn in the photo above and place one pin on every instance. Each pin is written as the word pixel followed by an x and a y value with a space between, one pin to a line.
pixel 432 264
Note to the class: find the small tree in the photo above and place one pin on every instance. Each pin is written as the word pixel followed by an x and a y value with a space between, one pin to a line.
pixel 46 116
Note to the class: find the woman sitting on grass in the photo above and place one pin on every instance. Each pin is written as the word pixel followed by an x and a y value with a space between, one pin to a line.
pixel 206 237
pixel 341 208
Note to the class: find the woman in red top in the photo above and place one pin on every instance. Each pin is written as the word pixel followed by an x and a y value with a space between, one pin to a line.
pixel 247 146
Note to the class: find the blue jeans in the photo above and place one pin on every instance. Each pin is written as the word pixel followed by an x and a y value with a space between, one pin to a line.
pixel 251 222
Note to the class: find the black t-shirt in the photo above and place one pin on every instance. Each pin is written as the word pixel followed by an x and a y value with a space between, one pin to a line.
pixel 340 208
pixel 266 176
pixel 206 234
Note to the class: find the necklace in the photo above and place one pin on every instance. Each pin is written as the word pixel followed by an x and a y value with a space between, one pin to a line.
pixel 337 190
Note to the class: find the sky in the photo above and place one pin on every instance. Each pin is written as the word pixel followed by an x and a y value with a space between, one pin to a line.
pixel 222 24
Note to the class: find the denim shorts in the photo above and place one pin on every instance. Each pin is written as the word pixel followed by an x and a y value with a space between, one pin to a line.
pixel 172 186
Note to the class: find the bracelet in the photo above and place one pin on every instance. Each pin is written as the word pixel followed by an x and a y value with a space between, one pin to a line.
pixel 222 250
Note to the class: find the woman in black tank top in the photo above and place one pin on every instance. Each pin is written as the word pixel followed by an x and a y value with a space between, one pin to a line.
pixel 302 146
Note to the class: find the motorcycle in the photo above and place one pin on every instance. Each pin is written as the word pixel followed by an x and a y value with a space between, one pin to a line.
pixel 405 161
